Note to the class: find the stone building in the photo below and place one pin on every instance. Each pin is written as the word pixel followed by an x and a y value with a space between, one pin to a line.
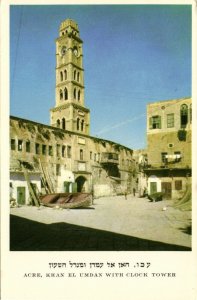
pixel 141 162
pixel 63 157
pixel 169 127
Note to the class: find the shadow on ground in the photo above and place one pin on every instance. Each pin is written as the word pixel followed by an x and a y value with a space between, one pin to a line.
pixel 187 230
pixel 27 235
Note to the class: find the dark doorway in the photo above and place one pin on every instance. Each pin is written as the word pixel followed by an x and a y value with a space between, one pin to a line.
pixel 166 188
pixel 81 184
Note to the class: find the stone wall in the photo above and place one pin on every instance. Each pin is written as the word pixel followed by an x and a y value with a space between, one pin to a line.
pixel 71 159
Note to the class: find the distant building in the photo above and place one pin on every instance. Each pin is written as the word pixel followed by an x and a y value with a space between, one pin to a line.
pixel 63 157
pixel 169 138
pixel 141 162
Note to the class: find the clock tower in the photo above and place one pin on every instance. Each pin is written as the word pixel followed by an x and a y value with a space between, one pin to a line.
pixel 70 112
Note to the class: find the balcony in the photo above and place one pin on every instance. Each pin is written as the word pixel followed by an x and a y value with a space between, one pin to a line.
pixel 109 158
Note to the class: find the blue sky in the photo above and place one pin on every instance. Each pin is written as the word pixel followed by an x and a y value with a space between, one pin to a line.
pixel 133 55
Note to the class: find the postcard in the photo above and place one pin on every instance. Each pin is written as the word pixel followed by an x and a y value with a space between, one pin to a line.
pixel 98 166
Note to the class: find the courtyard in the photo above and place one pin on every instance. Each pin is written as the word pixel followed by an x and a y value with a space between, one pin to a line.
pixel 110 224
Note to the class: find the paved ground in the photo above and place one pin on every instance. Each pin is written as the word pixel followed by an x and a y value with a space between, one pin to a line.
pixel 112 223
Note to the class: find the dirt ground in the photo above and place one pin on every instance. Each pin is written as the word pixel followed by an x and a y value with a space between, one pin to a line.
pixel 111 223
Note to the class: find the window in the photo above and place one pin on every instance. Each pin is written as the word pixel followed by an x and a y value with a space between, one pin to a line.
pixel 78 120
pixel 58 170
pixel 63 151
pixel 170 120
pixel 79 93
pixel 69 151
pixel 81 154
pixel 50 150
pixel 74 93
pixel 28 146
pixel 63 123
pixel 78 76
pixel 20 145
pixel 155 122
pixel 178 185
pixel 13 144
pixel 61 95
pixel 37 148
pixel 65 74
pixel 163 157
pixel 184 115
pixel 82 125
pixel 58 150
pixel 90 154
pixel 99 156
pixel 65 94
pixel 58 123
pixel 177 156
pixel 94 156
pixel 170 145
pixel 61 76
pixel 44 149
pixel 74 74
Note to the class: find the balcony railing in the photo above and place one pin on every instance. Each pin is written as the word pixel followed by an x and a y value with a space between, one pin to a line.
pixel 109 158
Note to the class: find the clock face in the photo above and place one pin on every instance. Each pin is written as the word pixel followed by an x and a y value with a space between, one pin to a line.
pixel 63 50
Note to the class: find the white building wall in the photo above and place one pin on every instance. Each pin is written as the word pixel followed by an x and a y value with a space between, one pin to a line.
pixel 154 178
pixel 18 180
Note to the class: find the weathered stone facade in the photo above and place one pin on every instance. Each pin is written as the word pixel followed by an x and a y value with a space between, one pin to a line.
pixel 72 162
pixel 169 127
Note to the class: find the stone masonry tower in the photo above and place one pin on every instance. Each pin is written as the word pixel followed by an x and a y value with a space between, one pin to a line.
pixel 69 112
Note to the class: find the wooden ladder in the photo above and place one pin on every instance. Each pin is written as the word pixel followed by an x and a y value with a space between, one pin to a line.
pixel 46 180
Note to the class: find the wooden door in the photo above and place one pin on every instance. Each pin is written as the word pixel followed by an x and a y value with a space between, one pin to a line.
pixel 166 188
pixel 66 186
pixel 153 187
pixel 21 195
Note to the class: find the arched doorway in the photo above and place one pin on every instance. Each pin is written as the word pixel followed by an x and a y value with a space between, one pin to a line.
pixel 81 184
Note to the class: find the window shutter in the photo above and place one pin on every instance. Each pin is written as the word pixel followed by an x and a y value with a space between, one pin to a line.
pixel 178 185
pixel 150 123
pixel 74 187
pixel 159 122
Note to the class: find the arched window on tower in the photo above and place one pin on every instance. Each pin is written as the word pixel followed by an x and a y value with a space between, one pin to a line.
pixel 74 74
pixel 184 115
pixel 61 95
pixel 75 93
pixel 79 95
pixel 82 125
pixel 61 76
pixel 78 120
pixel 63 123
pixel 58 123
pixel 81 154
pixel 65 74
pixel 65 94
pixel 78 76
